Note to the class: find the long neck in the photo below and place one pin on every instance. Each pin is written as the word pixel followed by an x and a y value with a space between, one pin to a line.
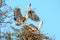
pixel 39 26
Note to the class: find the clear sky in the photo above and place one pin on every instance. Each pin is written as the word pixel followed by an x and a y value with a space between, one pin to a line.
pixel 47 10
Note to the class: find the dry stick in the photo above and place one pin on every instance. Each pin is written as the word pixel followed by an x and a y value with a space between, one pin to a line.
pixel 2 33
pixel 27 8
pixel 10 9
pixel 39 26
pixel 16 30
pixel 26 15
pixel 5 22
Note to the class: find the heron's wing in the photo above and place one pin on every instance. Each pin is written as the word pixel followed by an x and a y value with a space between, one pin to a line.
pixel 33 16
pixel 17 15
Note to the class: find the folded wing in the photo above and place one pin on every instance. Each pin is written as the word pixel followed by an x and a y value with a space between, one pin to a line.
pixel 33 16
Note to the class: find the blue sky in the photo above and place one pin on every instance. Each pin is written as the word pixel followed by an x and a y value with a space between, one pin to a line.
pixel 47 10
